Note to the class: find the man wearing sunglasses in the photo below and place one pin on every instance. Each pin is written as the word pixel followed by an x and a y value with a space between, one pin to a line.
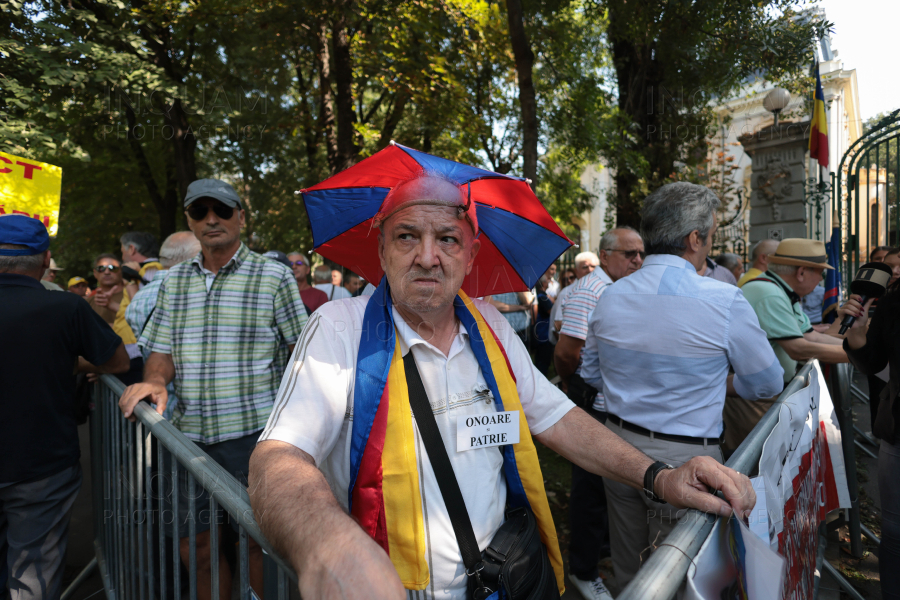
pixel 108 273
pixel 223 329
pixel 312 298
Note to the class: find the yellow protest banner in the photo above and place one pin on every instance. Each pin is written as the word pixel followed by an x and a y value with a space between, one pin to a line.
pixel 29 187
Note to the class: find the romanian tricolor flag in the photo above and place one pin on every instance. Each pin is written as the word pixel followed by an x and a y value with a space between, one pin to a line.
pixel 832 278
pixel 818 132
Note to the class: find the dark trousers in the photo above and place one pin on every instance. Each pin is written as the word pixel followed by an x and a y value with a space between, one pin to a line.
pixel 588 519
pixel 889 489
pixel 876 385
pixel 34 530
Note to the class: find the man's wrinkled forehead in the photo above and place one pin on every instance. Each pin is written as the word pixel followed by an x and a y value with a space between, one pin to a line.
pixel 428 190
pixel 418 217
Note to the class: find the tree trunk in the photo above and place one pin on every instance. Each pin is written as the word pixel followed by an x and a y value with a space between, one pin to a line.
pixel 527 97
pixel 347 149
pixel 392 119
pixel 310 132
pixel 165 207
pixel 639 82
pixel 184 143
pixel 326 104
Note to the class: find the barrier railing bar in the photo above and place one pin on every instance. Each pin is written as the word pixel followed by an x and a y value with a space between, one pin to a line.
pixel 176 537
pixel 865 436
pixel 664 572
pixel 244 560
pixel 148 485
pixel 129 531
pixel 227 491
pixel 859 394
pixel 850 591
pixel 161 494
pixel 843 404
pixel 139 483
pixel 214 548
pixel 192 537
pixel 859 445
pixel 869 534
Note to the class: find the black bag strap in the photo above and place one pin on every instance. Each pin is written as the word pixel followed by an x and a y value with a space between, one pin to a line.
pixel 443 470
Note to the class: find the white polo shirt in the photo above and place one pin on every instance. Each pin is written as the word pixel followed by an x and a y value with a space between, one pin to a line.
pixel 314 412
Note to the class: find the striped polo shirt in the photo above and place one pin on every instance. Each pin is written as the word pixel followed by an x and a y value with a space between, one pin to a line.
pixel 576 312
pixel 664 340
pixel 228 334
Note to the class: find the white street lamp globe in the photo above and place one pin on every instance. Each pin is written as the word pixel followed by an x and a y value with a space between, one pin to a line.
pixel 777 100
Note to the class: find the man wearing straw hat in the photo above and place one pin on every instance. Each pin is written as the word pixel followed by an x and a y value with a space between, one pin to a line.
pixel 398 540
pixel 795 269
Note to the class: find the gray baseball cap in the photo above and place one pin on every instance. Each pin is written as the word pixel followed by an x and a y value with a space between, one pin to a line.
pixel 212 188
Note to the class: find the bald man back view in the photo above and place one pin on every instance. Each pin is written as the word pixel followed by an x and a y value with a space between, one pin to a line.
pixel 759 254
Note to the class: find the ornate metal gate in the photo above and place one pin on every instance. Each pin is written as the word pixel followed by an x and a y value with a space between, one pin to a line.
pixel 865 188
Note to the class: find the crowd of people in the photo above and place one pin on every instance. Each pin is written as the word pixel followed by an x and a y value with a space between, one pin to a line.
pixel 666 360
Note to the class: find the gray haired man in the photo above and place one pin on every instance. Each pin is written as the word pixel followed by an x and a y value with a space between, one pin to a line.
pixel 660 343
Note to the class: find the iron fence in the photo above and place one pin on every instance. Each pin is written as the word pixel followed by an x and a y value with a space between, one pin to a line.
pixel 663 574
pixel 137 468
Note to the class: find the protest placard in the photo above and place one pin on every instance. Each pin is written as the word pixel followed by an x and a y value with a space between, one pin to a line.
pixel 31 188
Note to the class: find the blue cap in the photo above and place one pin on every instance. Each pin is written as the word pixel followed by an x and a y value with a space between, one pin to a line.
pixel 23 231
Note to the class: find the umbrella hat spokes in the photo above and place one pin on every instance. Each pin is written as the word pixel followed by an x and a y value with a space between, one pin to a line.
pixel 519 239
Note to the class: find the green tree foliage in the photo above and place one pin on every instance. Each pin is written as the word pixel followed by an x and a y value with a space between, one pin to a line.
pixel 137 98
pixel 672 62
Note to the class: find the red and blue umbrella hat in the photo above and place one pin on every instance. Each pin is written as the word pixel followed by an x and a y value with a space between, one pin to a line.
pixel 519 238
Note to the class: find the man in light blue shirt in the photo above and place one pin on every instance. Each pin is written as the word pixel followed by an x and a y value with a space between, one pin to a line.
pixel 177 248
pixel 661 342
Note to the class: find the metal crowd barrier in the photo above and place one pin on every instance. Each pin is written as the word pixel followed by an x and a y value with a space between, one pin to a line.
pixel 664 572
pixel 136 468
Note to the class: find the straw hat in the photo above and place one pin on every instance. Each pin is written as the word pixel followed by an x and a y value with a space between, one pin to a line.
pixel 53 266
pixel 800 252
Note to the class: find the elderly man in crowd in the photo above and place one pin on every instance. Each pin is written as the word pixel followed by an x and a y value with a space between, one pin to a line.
pixel 312 298
pixel 399 533
pixel 176 249
pixel 621 254
pixel 795 269
pixel 226 382
pixel 732 262
pixel 585 263
pixel 139 251
pixel 662 341
pixel 44 337
pixel 759 255
pixel 49 278
pixel 325 283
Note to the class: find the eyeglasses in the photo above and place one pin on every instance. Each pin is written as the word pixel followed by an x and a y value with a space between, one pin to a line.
pixel 297 263
pixel 198 211
pixel 110 268
pixel 570 278
pixel 631 254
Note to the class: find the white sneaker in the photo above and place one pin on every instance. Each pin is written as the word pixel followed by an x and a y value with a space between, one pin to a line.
pixel 591 590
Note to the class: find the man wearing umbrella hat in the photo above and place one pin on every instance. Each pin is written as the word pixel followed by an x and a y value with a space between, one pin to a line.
pixel 344 408
pixel 794 270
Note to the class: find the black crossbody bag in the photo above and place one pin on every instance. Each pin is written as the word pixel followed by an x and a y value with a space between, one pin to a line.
pixel 516 559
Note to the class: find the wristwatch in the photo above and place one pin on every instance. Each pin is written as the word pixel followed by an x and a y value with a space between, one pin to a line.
pixel 650 476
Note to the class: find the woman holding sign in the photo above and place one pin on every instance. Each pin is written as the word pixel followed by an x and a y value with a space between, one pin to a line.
pixel 871 350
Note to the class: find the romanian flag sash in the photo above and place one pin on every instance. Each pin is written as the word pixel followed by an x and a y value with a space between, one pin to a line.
pixel 384 493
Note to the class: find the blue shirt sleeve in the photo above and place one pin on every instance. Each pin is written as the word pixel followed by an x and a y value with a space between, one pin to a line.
pixel 757 372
